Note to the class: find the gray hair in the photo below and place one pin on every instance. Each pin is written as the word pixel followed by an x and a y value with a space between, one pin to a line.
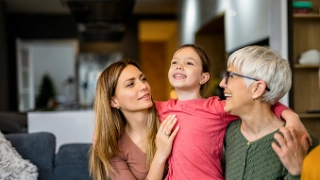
pixel 264 64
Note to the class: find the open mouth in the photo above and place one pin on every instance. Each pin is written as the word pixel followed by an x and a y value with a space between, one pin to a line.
pixel 179 76
pixel 145 97
pixel 227 95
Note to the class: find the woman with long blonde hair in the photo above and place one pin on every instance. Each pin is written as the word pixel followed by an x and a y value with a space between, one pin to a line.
pixel 128 141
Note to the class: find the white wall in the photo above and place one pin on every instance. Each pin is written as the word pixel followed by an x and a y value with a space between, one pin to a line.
pixel 56 58
pixel 194 14
pixel 278 31
pixel 67 126
pixel 246 22
pixel 189 21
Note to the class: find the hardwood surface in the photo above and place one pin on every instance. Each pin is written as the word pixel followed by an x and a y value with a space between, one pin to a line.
pixel 306 36
pixel 306 89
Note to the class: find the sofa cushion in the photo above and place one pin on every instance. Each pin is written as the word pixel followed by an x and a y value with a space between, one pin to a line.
pixel 71 162
pixel 12 165
pixel 39 148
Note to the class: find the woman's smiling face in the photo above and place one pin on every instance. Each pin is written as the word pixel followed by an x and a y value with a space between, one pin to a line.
pixel 133 91
pixel 238 95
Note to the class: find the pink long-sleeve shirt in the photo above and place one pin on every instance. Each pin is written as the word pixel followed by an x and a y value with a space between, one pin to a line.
pixel 197 148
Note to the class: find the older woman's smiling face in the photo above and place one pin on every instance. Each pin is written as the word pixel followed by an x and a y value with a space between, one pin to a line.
pixel 238 95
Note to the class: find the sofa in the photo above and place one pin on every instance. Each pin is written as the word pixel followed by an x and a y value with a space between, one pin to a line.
pixel 69 163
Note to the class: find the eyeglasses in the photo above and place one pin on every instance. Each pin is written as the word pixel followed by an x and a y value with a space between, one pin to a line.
pixel 228 73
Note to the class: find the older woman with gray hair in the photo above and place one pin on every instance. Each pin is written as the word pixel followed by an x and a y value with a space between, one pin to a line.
pixel 257 78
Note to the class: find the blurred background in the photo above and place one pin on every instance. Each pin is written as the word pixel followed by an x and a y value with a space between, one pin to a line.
pixel 52 51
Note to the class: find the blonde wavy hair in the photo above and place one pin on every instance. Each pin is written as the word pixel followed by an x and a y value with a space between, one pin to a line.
pixel 110 123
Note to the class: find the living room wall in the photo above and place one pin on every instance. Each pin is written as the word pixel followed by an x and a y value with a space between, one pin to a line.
pixel 32 27
pixel 246 22
pixel 51 27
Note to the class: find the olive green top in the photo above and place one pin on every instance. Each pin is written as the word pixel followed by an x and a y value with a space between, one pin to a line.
pixel 253 160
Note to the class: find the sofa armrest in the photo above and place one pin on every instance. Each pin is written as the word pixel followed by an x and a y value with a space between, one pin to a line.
pixel 38 148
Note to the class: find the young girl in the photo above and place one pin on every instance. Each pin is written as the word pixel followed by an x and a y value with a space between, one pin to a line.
pixel 197 149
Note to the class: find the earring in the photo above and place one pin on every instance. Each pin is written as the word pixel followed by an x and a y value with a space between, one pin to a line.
pixel 254 97
pixel 118 107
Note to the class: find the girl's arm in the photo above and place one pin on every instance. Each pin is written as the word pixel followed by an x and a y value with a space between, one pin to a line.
pixel 164 141
pixel 218 105
pixel 292 119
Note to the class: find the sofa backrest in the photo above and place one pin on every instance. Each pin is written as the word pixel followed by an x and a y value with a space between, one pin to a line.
pixel 71 162
pixel 38 148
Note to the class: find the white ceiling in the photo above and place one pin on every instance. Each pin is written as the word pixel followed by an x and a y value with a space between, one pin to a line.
pixel 57 7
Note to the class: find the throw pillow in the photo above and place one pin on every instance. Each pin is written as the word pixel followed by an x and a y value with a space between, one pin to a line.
pixel 12 165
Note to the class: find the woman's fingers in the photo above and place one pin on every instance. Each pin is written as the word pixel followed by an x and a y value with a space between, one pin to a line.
pixel 170 124
pixel 309 139
pixel 167 125
pixel 280 139
pixel 163 123
pixel 289 149
pixel 305 144
pixel 288 133
pixel 166 135
pixel 284 140
pixel 174 133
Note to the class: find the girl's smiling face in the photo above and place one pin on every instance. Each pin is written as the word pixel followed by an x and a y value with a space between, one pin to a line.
pixel 185 72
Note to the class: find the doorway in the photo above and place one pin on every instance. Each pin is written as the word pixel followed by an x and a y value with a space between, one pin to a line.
pixel 211 37
pixel 37 58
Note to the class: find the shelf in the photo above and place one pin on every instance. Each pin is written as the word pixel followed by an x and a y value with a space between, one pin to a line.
pixel 306 66
pixel 309 115
pixel 307 16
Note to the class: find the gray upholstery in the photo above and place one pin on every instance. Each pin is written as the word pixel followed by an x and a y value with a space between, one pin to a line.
pixel 70 163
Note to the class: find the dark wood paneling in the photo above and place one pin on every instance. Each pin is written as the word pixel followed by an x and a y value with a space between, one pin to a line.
pixel 152 58
pixel 4 95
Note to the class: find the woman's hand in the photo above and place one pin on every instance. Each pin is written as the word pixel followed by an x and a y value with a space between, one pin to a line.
pixel 164 141
pixel 291 150
pixel 165 137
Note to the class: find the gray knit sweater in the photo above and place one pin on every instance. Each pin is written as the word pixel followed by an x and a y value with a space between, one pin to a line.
pixel 252 160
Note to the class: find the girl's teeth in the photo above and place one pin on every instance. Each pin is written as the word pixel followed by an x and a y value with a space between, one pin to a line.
pixel 179 76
